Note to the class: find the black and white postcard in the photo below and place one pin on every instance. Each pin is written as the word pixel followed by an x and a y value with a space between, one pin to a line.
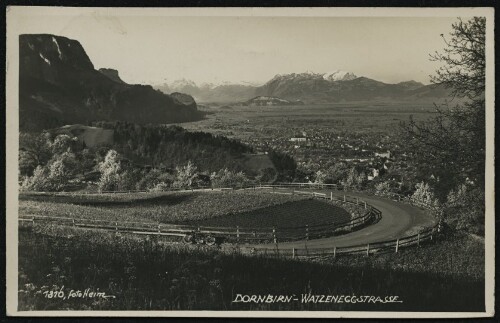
pixel 263 162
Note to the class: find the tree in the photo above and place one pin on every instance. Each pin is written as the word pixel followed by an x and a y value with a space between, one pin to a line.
pixel 284 164
pixel 452 145
pixel 62 169
pixel 351 181
pixel 63 143
pixel 149 179
pixel 335 173
pixel 54 176
pixel 39 181
pixel 266 175
pixel 423 194
pixel 129 179
pixel 110 172
pixel 34 150
pixel 361 180
pixel 185 175
pixel 320 177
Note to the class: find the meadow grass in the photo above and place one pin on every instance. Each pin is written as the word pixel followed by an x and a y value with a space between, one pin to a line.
pixel 147 274
pixel 166 207
pixel 296 213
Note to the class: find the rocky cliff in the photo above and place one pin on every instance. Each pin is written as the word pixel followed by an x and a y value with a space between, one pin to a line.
pixel 59 85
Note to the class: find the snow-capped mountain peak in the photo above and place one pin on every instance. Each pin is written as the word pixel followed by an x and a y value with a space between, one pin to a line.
pixel 182 83
pixel 339 76
pixel 331 76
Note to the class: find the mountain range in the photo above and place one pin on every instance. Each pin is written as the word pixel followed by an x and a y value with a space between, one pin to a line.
pixel 59 85
pixel 312 88
pixel 206 92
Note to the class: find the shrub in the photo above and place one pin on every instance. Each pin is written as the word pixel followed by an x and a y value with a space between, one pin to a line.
pixel 464 209
pixel 383 188
pixel 227 178
pixel 39 181
pixel 423 194
pixel 54 176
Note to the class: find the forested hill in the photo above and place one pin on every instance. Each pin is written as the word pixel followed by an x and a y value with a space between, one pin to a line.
pixel 170 146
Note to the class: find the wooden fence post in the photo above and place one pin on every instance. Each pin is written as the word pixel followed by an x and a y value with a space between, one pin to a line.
pixel 307 231
pixel 334 252
pixel 33 221
pixel 365 205
pixel 73 222
pixel 159 228
pixel 293 253
pixel 357 201
pixel 397 245
pixel 237 234
pixel 331 196
pixel 344 198
pixel 368 249
pixel 116 226
pixel 274 234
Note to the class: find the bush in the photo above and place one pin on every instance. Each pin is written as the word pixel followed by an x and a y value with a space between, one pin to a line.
pixel 464 209
pixel 423 194
pixel 129 179
pixel 160 187
pixel 226 178
pixel 383 188
pixel 39 181
pixel 54 176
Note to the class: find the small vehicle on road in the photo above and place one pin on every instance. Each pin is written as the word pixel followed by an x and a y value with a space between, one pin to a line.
pixel 195 237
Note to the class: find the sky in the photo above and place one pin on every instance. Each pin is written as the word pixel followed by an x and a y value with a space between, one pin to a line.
pixel 155 49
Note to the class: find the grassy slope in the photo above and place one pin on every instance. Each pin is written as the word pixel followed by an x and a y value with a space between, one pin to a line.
pixel 164 207
pixel 146 275
pixel 92 136
pixel 289 214
pixel 454 254
pixel 256 162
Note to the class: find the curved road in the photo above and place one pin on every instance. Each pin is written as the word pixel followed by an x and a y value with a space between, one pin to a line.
pixel 397 219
